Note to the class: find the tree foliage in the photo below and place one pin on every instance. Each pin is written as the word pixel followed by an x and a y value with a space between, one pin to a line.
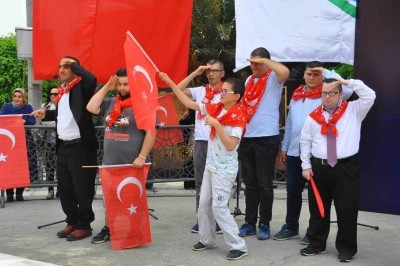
pixel 13 72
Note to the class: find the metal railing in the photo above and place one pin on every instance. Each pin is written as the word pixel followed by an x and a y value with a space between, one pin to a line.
pixel 172 160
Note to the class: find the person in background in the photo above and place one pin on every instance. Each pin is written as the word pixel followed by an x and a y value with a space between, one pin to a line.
pixel 50 140
pixel 20 105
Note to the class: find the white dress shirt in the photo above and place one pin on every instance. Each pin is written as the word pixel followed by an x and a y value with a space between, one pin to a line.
pixel 312 143
pixel 67 128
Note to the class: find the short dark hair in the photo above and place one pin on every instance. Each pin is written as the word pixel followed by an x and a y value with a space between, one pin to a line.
pixel 328 81
pixel 237 85
pixel 261 52
pixel 73 58
pixel 121 72
pixel 313 64
pixel 216 61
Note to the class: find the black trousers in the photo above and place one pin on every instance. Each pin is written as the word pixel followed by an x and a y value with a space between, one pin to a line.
pixel 76 184
pixel 257 160
pixel 342 185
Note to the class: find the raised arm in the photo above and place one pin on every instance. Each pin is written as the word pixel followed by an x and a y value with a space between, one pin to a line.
pixel 185 100
pixel 88 79
pixel 185 82
pixel 281 71
pixel 95 102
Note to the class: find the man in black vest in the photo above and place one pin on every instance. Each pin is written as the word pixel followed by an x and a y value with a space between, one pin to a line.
pixel 76 146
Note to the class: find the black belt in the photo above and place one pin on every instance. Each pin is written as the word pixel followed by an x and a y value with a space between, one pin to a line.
pixel 70 142
pixel 339 161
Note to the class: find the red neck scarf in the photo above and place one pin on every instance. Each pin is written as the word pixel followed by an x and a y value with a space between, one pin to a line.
pixel 116 111
pixel 301 93
pixel 62 90
pixel 210 92
pixel 253 93
pixel 234 117
pixel 320 119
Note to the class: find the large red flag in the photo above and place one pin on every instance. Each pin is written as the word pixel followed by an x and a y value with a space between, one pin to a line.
pixel 166 116
pixel 142 84
pixel 124 190
pixel 94 32
pixel 14 171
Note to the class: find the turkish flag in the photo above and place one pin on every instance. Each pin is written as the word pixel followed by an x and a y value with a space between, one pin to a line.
pixel 124 190
pixel 94 32
pixel 14 171
pixel 318 198
pixel 166 116
pixel 142 84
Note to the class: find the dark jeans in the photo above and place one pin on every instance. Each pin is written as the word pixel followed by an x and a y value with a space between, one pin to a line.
pixel 76 184
pixel 257 160
pixel 342 185
pixel 295 183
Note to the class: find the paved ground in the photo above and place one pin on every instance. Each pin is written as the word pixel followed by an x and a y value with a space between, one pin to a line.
pixel 21 243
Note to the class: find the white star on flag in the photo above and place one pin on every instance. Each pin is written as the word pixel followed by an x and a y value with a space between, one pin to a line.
pixel 132 209
pixel 2 157
pixel 233 115
pixel 144 96
pixel 162 124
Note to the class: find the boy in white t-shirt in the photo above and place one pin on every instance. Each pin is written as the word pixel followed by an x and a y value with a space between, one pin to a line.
pixel 227 123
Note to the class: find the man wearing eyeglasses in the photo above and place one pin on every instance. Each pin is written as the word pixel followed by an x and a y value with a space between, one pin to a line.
pixel 304 100
pixel 76 145
pixel 209 93
pixel 329 147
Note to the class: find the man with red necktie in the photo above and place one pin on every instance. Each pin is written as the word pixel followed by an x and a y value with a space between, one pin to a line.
pixel 329 146
pixel 210 93
pixel 304 100
pixel 76 145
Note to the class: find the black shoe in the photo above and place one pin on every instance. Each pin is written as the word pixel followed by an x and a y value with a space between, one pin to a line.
pixel 10 198
pixel 218 229
pixel 199 246
pixel 236 255
pixel 19 198
pixel 102 237
pixel 345 258
pixel 310 251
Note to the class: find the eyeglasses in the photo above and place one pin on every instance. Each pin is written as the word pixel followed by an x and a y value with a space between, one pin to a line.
pixel 331 93
pixel 214 71
pixel 225 92
pixel 53 94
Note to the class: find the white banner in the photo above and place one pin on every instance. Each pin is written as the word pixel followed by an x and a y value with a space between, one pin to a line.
pixel 296 30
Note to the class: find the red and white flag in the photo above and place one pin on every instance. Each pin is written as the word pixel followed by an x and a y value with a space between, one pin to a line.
pixel 142 83
pixel 14 171
pixel 166 116
pixel 124 189
pixel 94 32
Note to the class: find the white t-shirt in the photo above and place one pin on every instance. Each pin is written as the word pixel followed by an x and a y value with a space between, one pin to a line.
pixel 219 159
pixel 201 131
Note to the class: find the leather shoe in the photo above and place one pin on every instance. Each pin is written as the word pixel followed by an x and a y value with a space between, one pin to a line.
pixel 79 234
pixel 67 230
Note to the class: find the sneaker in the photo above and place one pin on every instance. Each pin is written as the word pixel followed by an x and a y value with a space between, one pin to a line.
pixel 218 229
pixel 195 228
pixel 236 255
pixel 101 237
pixel 305 240
pixel 199 246
pixel 247 229
pixel 50 195
pixel 286 234
pixel 310 251
pixel 263 232
pixel 344 258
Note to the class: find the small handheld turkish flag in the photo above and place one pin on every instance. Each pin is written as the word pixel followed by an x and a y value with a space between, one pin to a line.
pixel 124 189
pixel 14 171
pixel 317 197
pixel 142 84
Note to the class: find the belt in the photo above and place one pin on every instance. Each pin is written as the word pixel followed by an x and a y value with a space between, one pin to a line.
pixel 70 142
pixel 339 161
